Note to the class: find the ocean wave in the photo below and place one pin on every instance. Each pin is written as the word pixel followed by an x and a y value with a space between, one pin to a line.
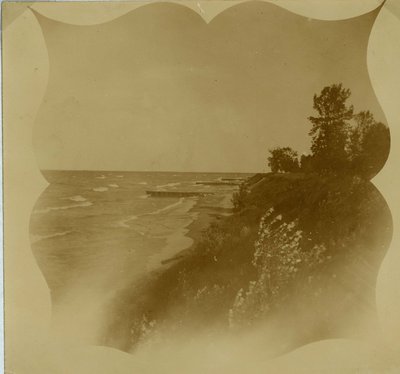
pixel 78 198
pixel 101 177
pixel 49 209
pixel 100 189
pixel 113 185
pixel 120 176
pixel 143 196
pixel 124 222
pixel 168 207
pixel 38 238
pixel 144 183
pixel 169 185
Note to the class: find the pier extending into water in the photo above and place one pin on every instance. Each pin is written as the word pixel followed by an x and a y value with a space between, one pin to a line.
pixel 155 193
pixel 233 179
pixel 220 183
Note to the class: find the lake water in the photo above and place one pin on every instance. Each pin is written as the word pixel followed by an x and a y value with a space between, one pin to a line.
pixel 93 233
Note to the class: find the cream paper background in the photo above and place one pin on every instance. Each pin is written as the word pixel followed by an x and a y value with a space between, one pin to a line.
pixel 30 346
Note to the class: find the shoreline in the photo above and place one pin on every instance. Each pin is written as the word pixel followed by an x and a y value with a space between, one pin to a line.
pixel 175 240
pixel 204 212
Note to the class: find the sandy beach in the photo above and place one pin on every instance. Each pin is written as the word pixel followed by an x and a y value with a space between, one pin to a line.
pixel 205 210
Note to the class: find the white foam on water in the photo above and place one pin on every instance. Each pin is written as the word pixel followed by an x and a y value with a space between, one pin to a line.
pixel 49 209
pixel 124 222
pixel 100 189
pixel 101 177
pixel 38 238
pixel 143 196
pixel 144 183
pixel 78 198
pixel 120 176
pixel 113 185
pixel 168 207
pixel 177 239
pixel 169 185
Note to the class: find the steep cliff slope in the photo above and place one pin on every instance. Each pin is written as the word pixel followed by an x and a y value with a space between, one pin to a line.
pixel 300 254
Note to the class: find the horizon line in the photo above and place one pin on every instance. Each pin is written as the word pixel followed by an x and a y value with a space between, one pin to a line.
pixel 154 171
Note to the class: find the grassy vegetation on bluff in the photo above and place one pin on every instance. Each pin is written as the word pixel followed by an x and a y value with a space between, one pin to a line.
pixel 294 244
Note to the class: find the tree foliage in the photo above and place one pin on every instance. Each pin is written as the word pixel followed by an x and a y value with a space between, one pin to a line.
pixel 307 163
pixel 283 159
pixel 330 128
pixel 341 141
pixel 369 145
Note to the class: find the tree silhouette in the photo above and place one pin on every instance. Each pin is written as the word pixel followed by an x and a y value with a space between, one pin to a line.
pixel 330 129
pixel 369 145
pixel 283 159
pixel 341 141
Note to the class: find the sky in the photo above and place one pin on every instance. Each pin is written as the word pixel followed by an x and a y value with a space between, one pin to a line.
pixel 158 89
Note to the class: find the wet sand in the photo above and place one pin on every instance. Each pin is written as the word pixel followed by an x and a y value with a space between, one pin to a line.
pixel 206 210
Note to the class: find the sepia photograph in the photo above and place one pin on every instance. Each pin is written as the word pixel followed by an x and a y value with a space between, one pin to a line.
pixel 197 187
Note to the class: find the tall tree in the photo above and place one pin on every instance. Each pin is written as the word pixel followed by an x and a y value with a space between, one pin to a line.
pixel 330 128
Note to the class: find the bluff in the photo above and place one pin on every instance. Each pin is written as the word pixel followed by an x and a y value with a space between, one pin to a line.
pixel 300 254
